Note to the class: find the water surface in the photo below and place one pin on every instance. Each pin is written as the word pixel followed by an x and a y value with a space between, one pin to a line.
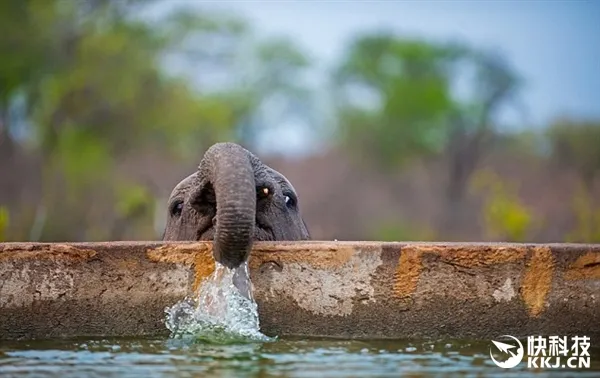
pixel 285 357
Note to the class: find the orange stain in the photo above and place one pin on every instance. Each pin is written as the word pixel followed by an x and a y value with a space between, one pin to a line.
pixel 196 255
pixel 480 256
pixel 50 251
pixel 585 267
pixel 537 280
pixel 408 271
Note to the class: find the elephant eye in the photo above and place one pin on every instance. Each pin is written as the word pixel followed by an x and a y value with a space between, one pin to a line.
pixel 177 208
pixel 290 201
pixel 263 192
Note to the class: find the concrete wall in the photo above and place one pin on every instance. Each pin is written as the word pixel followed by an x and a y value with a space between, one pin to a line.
pixel 340 289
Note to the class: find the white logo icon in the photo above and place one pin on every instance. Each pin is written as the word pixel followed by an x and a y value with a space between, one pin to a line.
pixel 514 359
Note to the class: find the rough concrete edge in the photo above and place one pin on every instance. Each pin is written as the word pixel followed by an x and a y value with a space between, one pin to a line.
pixel 539 259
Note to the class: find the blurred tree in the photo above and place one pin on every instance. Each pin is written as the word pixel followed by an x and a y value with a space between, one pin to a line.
pixel 105 97
pixel 506 217
pixel 3 222
pixel 260 79
pixel 135 204
pixel 97 81
pixel 93 77
pixel 397 102
pixel 587 218
pixel 22 26
pixel 576 144
pixel 275 86
pixel 393 96
pixel 472 125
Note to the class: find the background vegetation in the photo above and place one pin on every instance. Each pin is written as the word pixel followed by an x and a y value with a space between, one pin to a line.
pixel 103 110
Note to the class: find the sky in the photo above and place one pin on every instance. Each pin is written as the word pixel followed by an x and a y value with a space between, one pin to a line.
pixel 555 45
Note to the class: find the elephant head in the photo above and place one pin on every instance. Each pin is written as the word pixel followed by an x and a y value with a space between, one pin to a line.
pixel 234 199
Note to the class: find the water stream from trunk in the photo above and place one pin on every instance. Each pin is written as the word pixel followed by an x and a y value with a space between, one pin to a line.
pixel 223 310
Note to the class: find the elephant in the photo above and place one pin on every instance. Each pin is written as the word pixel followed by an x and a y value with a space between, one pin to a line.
pixel 234 199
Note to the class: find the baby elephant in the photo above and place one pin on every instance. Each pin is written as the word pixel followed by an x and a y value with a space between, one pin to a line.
pixel 232 200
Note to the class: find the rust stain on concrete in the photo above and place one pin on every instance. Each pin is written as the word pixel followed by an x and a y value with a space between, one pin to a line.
pixel 204 266
pixel 296 247
pixel 410 264
pixel 318 258
pixel 176 254
pixel 586 266
pixel 408 271
pixel 199 256
pixel 54 252
pixel 473 257
pixel 537 280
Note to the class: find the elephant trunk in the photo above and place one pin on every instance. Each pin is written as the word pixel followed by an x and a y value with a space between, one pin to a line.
pixel 229 169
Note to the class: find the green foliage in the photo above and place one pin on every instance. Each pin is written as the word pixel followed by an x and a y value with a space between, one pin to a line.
pixel 4 220
pixel 587 227
pixel 114 94
pixel 395 97
pixel 505 215
pixel 97 91
pixel 99 76
pixel 28 47
pixel 408 79
pixel 402 231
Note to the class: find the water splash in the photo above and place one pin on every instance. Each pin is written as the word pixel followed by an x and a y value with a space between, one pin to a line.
pixel 222 311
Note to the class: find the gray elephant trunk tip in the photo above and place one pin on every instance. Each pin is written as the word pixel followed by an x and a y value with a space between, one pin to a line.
pixel 228 168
